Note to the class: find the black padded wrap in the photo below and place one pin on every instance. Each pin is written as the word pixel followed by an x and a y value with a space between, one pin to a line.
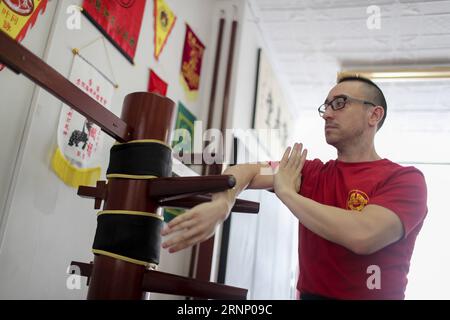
pixel 143 158
pixel 133 236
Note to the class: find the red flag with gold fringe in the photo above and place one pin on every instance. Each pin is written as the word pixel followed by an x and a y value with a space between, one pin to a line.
pixel 191 63
pixel 119 21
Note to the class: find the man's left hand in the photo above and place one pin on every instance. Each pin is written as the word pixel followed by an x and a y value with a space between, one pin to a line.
pixel 288 177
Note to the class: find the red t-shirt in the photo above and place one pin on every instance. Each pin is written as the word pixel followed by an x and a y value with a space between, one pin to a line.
pixel 329 269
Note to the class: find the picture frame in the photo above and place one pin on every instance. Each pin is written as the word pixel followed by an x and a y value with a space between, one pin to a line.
pixel 272 118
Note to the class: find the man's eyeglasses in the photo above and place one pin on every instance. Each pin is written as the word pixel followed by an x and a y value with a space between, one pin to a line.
pixel 339 103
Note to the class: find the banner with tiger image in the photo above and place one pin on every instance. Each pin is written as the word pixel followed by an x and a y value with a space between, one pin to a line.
pixel 77 159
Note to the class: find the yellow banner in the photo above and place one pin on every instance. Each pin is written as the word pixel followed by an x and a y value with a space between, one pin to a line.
pixel 17 15
pixel 164 22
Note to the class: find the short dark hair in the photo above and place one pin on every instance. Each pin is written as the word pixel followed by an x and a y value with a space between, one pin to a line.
pixel 376 95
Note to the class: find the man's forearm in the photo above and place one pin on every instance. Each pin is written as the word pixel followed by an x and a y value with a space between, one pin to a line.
pixel 334 224
pixel 200 222
pixel 244 174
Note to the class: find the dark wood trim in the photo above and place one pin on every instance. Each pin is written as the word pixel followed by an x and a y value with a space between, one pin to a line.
pixel 224 243
pixel 212 98
pixel 204 260
pixel 258 60
pixel 227 89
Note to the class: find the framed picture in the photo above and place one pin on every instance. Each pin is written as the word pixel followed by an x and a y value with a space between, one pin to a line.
pixel 271 116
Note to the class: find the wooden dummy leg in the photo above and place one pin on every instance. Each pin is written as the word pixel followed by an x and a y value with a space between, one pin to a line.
pixel 161 282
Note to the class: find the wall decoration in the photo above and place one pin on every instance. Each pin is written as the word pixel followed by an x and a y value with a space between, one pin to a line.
pixel 185 120
pixel 171 213
pixel 156 84
pixel 17 16
pixel 191 63
pixel 76 160
pixel 119 21
pixel 164 21
pixel 271 111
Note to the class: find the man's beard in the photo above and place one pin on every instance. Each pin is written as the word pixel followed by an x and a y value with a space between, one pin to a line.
pixel 341 141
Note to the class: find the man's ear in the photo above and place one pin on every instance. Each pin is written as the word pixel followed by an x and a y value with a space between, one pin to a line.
pixel 376 115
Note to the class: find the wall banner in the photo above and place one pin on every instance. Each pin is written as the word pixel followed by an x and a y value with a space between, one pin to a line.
pixel 76 160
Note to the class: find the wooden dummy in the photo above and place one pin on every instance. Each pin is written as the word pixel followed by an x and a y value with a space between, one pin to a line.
pixel 139 182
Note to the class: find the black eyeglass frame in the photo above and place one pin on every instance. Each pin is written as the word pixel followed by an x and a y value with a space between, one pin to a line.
pixel 322 108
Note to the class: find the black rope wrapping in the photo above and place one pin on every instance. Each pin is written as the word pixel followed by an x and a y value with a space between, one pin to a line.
pixel 132 236
pixel 143 158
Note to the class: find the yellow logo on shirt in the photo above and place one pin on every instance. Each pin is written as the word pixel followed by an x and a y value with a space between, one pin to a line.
pixel 357 200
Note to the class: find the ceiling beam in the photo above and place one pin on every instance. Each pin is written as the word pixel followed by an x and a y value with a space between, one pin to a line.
pixel 399 74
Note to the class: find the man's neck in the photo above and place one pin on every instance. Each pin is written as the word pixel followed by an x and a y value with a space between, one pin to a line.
pixel 358 153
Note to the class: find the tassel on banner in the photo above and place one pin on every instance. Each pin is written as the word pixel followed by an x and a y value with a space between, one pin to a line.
pixel 72 175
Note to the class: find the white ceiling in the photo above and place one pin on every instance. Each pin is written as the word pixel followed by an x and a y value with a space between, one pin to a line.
pixel 310 41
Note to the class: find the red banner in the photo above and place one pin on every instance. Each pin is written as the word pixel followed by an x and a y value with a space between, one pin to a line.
pixel 119 20
pixel 16 17
pixel 191 63
pixel 156 84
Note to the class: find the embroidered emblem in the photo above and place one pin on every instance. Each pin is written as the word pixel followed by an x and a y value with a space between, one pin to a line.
pixel 357 200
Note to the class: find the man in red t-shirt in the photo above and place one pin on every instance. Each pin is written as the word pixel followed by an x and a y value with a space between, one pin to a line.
pixel 359 215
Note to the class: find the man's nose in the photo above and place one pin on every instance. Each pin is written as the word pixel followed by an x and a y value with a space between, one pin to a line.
pixel 329 113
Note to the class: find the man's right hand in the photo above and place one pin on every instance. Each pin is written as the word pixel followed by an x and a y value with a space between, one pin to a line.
pixel 199 223
pixel 195 225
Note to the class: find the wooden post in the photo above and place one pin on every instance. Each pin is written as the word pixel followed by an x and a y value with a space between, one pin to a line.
pixel 150 116
pixel 205 249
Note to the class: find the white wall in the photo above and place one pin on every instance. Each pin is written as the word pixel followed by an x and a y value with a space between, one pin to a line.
pixel 416 132
pixel 45 224
pixel 16 92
